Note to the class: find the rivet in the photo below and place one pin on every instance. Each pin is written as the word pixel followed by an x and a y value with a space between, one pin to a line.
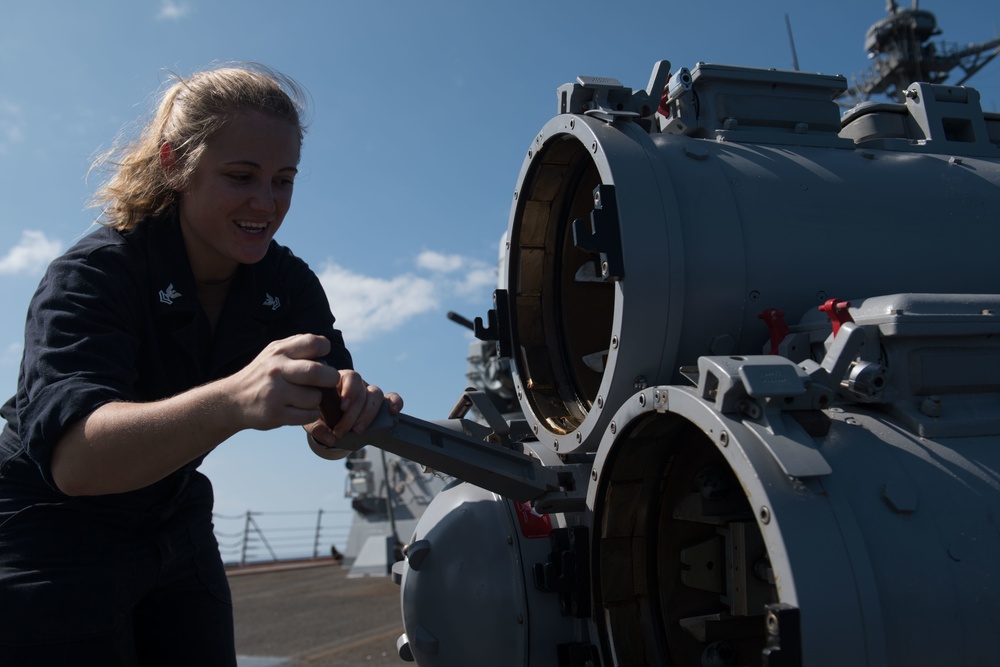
pixel 614 342
pixel 535 428
pixel 642 400
pixel 614 427
pixel 593 474
pixel 724 439
pixel 765 514
pixel 600 402
pixel 555 445
pixel 772 623
pixel 579 436
pixel 572 123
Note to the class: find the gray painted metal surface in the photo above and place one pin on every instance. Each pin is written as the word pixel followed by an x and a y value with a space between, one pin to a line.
pixel 758 203
pixel 758 346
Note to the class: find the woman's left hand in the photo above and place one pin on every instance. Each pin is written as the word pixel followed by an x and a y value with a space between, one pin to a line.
pixel 360 403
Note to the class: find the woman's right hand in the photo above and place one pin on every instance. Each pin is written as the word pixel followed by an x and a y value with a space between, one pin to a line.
pixel 284 384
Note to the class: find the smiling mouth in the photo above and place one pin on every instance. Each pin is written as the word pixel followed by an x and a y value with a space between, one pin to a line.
pixel 252 227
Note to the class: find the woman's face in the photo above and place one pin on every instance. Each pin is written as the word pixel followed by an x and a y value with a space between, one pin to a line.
pixel 238 194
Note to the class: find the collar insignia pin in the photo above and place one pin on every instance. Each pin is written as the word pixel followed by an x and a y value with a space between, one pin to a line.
pixel 272 301
pixel 168 295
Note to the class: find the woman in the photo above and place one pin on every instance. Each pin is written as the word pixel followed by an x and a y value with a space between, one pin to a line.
pixel 175 325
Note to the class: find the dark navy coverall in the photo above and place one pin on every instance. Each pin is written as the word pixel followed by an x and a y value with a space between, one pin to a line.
pixel 130 578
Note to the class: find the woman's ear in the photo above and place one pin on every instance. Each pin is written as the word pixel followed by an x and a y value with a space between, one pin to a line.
pixel 168 159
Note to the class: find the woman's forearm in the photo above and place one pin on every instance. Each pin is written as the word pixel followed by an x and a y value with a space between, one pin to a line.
pixel 125 446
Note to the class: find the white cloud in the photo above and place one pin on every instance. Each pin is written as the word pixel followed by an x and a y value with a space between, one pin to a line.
pixel 476 279
pixel 171 10
pixel 436 261
pixel 366 306
pixel 475 274
pixel 31 254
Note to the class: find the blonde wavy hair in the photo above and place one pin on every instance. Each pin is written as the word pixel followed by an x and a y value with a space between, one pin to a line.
pixel 189 113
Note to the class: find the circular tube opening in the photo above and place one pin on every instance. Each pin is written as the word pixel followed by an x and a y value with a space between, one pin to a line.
pixel 561 311
pixel 681 568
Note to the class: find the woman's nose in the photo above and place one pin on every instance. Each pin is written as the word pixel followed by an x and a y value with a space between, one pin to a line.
pixel 263 198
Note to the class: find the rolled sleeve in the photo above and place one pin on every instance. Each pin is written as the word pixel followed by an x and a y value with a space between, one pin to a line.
pixel 80 347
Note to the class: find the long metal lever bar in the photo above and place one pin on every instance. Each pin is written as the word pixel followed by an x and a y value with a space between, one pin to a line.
pixel 445 447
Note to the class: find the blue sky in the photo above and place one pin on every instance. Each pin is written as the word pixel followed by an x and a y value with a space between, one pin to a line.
pixel 421 115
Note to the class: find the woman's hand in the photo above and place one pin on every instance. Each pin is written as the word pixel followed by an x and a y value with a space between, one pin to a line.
pixel 284 384
pixel 359 404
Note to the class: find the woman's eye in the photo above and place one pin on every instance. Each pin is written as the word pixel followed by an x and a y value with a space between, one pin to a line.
pixel 240 177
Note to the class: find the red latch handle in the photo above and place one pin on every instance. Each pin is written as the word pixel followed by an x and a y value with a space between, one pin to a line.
pixel 775 321
pixel 837 311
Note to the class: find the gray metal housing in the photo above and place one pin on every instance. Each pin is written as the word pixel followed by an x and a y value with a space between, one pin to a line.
pixel 759 348
pixel 762 201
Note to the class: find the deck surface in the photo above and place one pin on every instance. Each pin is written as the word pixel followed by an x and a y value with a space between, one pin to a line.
pixel 312 614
